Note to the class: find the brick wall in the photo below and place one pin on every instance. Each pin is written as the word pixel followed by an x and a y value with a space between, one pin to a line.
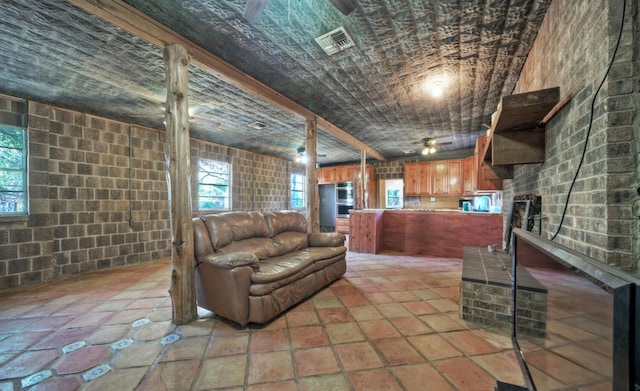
pixel 95 203
pixel 572 51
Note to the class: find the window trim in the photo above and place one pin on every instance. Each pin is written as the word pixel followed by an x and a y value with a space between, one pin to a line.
pixel 303 192
pixel 25 174
pixel 228 198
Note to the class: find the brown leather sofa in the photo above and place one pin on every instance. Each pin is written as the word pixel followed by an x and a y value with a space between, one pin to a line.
pixel 252 266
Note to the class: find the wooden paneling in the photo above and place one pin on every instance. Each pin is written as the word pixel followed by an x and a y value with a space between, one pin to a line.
pixel 487 178
pixel 342 225
pixel 439 234
pixel 366 231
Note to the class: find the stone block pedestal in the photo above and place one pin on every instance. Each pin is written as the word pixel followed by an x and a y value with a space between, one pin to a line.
pixel 486 293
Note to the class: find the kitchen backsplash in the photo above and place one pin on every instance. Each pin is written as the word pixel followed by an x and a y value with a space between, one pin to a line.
pixel 432 202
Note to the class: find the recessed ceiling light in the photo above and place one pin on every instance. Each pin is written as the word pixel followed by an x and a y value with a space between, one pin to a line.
pixel 258 125
pixel 437 89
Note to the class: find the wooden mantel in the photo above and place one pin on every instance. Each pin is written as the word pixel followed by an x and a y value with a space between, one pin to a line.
pixel 517 134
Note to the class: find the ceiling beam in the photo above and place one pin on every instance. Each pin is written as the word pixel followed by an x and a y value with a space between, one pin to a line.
pixel 141 25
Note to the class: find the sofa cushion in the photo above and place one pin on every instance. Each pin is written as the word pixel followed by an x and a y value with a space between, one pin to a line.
pixel 289 241
pixel 280 271
pixel 276 268
pixel 282 221
pixel 261 247
pixel 220 232
pixel 245 225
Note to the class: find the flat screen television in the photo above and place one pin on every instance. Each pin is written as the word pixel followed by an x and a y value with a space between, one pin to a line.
pixel 592 321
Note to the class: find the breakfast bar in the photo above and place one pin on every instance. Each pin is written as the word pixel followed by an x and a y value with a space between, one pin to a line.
pixel 440 233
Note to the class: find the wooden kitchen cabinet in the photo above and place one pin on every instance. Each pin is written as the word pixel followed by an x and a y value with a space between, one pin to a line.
pixel 455 181
pixel 342 225
pixel 469 178
pixel 412 179
pixel 351 173
pixel 440 179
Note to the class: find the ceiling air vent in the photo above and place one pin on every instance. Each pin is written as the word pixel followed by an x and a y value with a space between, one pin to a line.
pixel 335 41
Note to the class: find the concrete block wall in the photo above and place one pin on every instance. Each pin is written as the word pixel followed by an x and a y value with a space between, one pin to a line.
pixel 98 194
pixel 572 50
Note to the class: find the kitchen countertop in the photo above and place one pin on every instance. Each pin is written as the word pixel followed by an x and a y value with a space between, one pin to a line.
pixel 421 210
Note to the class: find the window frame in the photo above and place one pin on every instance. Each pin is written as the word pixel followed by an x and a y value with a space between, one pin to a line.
pixel 300 192
pixel 24 211
pixel 227 205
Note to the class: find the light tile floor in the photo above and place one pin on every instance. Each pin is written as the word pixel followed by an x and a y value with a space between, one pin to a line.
pixel 391 323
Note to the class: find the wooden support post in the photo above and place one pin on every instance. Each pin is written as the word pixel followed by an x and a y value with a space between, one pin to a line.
pixel 363 179
pixel 178 160
pixel 313 202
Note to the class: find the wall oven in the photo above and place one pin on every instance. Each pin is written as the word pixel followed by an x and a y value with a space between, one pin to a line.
pixel 345 193
pixel 345 196
pixel 342 210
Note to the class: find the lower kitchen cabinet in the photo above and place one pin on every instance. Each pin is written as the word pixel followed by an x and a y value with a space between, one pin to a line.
pixel 342 225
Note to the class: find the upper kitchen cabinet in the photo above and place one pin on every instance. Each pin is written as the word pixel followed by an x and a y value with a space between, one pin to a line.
pixel 439 177
pixel 469 178
pixel 417 179
pixel 455 179
pixel 351 173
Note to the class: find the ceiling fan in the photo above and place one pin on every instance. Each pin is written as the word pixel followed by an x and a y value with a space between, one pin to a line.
pixel 429 145
pixel 253 8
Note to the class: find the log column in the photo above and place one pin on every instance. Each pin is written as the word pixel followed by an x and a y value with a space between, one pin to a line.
pixel 313 203
pixel 178 161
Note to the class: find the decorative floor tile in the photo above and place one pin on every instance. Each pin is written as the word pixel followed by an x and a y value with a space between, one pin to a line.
pixel 140 323
pixel 96 372
pixel 125 343
pixel 74 346
pixel 36 378
pixel 169 339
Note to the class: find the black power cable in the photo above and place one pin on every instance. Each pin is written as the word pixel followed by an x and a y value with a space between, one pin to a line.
pixel 593 102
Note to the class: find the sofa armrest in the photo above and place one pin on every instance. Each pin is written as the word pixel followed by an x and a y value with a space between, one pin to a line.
pixel 222 284
pixel 326 239
pixel 231 260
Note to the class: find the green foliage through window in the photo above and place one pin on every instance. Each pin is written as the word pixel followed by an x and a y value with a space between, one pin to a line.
pixel 297 191
pixel 13 171
pixel 214 185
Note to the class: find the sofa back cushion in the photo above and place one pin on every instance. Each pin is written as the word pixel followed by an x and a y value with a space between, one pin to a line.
pixel 290 241
pixel 285 221
pixel 225 228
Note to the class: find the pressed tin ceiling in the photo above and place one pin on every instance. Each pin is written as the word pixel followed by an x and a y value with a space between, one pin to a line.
pixel 376 91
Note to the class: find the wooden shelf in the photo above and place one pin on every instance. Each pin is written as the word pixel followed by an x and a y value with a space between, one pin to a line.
pixel 517 133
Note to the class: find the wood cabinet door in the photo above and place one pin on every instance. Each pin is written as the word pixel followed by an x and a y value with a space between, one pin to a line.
pixel 439 178
pixel 411 179
pixel 425 174
pixel 454 177
pixel 468 175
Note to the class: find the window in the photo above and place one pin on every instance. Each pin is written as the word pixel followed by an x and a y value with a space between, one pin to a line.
pixel 13 170
pixel 393 196
pixel 214 185
pixel 297 191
